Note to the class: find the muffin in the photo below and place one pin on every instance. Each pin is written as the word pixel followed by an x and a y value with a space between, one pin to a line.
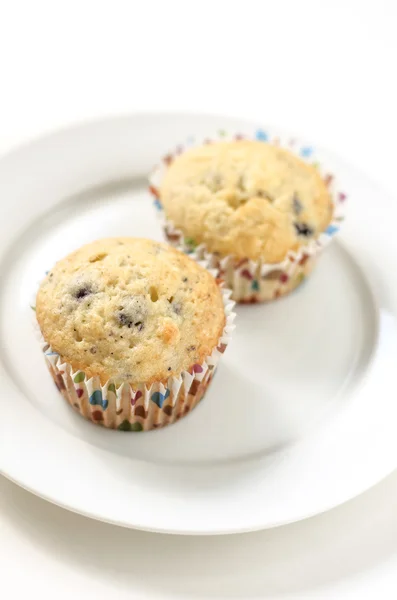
pixel 133 331
pixel 257 210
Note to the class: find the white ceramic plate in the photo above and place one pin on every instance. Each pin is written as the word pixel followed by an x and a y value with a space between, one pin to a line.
pixel 302 413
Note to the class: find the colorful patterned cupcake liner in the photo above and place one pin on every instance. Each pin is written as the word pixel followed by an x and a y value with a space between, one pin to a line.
pixel 256 281
pixel 139 408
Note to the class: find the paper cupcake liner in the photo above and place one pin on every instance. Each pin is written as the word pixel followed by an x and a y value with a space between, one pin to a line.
pixel 142 407
pixel 256 281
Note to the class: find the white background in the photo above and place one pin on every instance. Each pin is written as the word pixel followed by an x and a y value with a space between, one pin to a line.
pixel 323 69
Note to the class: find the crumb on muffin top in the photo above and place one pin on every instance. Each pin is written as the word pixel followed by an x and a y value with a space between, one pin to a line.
pixel 130 310
pixel 246 198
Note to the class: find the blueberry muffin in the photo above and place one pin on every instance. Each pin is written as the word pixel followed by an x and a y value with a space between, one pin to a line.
pixel 252 203
pixel 131 323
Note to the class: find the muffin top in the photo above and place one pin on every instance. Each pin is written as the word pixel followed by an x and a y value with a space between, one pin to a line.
pixel 248 199
pixel 130 310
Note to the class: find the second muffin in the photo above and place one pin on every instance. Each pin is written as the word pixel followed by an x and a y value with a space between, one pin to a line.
pixel 133 330
pixel 256 208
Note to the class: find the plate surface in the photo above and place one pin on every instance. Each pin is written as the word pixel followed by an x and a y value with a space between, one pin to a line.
pixel 301 415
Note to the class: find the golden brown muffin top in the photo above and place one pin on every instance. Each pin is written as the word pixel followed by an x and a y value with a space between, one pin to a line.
pixel 248 199
pixel 130 310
